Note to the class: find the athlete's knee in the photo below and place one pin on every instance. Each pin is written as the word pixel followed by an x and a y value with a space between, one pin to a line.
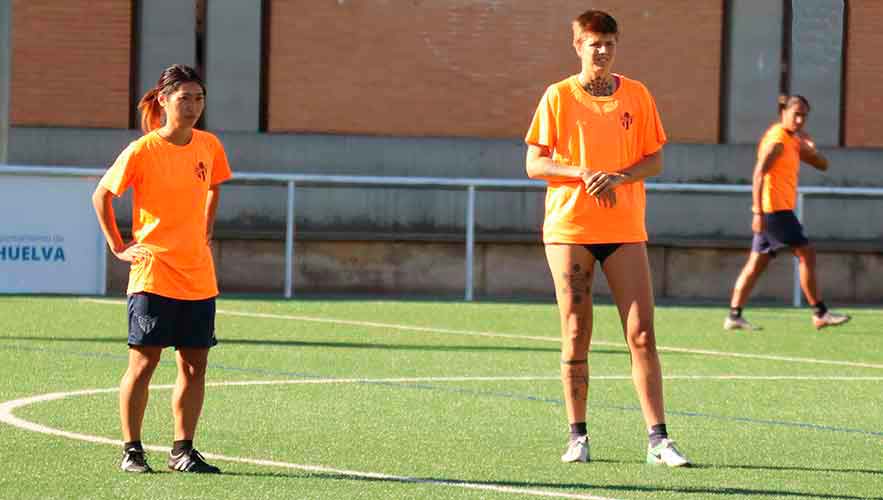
pixel 142 366
pixel 576 334
pixel 641 338
pixel 193 371
pixel 137 377
pixel 756 265
pixel 806 254
pixel 192 363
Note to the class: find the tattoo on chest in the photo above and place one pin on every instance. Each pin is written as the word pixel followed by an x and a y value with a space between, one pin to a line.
pixel 600 86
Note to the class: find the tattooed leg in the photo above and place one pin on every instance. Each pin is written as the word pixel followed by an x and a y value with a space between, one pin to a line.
pixel 575 284
pixel 575 378
pixel 572 267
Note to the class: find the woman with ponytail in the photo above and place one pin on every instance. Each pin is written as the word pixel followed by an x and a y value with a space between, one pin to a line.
pixel 175 172
pixel 774 194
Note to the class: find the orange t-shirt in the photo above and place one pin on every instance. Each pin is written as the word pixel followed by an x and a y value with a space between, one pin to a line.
pixel 170 185
pixel 597 133
pixel 780 181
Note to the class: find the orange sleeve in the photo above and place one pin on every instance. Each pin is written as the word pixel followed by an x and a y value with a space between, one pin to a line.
pixel 654 134
pixel 220 168
pixel 121 175
pixel 777 134
pixel 543 129
pixel 774 135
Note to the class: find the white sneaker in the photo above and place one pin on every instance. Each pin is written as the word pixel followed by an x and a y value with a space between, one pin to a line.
pixel 829 319
pixel 739 323
pixel 666 452
pixel 577 450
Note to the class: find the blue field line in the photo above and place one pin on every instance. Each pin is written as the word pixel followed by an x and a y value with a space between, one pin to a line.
pixel 692 414
pixel 470 392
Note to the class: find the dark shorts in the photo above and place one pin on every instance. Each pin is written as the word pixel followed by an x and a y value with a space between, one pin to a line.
pixel 782 230
pixel 602 250
pixel 155 320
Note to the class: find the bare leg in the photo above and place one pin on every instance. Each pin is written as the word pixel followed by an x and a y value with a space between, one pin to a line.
pixel 189 391
pixel 756 265
pixel 571 267
pixel 134 389
pixel 806 255
pixel 628 273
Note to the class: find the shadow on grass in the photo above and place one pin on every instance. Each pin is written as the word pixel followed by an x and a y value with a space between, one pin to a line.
pixel 793 468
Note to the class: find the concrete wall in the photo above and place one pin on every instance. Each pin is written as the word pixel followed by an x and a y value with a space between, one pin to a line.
pixel 476 69
pixel 71 63
pixel 166 35
pixel 233 65
pixel 817 64
pixel 512 270
pixel 435 157
pixel 753 70
pixel 394 213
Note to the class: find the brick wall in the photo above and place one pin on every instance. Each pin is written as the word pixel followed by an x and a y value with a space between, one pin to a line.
pixel 71 63
pixel 455 68
pixel 864 86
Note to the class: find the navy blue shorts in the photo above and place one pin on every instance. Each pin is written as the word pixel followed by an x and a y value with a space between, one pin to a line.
pixel 782 230
pixel 155 320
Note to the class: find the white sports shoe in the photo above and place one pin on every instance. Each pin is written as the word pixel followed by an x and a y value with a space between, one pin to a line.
pixel 666 452
pixel 829 319
pixel 739 323
pixel 577 450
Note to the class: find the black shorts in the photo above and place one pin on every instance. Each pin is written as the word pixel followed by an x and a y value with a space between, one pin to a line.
pixel 602 250
pixel 155 320
pixel 782 229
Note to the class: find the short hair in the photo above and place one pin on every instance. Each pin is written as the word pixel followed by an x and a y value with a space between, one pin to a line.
pixel 594 21
pixel 786 101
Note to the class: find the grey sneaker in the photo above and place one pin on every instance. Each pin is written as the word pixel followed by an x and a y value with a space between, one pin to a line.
pixel 191 461
pixel 739 323
pixel 135 461
pixel 666 453
pixel 577 450
pixel 829 319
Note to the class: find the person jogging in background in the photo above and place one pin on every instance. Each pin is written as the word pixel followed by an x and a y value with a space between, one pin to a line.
pixel 175 172
pixel 594 138
pixel 775 227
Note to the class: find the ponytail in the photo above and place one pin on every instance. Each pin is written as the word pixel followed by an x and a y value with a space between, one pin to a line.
pixel 151 112
pixel 171 78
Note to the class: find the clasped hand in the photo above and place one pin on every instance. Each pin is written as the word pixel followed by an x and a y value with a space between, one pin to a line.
pixel 601 185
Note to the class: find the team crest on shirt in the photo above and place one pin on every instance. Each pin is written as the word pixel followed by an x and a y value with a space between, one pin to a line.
pixel 201 171
pixel 627 120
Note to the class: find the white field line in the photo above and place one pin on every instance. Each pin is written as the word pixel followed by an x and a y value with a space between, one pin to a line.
pixel 7 416
pixel 7 408
pixel 527 378
pixel 412 328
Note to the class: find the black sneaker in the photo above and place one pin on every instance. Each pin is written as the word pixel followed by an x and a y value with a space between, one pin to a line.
pixel 191 461
pixel 134 461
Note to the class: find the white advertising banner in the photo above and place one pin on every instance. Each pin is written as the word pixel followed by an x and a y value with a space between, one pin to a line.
pixel 50 241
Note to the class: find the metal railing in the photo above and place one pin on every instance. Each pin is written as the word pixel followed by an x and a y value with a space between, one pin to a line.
pixel 470 184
